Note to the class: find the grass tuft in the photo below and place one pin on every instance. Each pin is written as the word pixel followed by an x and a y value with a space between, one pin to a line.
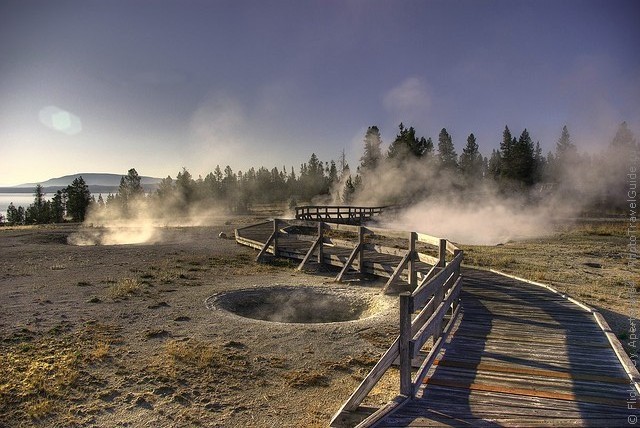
pixel 125 287
pixel 199 354
pixel 306 379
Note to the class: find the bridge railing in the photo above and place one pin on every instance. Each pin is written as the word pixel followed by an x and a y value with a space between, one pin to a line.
pixel 338 214
pixel 423 317
pixel 427 312
pixel 363 241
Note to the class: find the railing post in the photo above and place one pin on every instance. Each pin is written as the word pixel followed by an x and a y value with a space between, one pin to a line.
pixel 320 245
pixel 361 252
pixel 455 302
pixel 405 344
pixel 413 274
pixel 276 228
pixel 442 253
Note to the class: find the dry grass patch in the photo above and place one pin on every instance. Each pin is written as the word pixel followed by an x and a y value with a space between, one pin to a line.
pixel 100 351
pixel 199 354
pixel 306 378
pixel 35 380
pixel 42 373
pixel 125 287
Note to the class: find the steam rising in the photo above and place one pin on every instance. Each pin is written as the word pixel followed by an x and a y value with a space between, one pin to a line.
pixel 484 211
pixel 143 221
pixel 301 304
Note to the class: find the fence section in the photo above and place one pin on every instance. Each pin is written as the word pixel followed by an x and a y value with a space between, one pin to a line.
pixel 338 214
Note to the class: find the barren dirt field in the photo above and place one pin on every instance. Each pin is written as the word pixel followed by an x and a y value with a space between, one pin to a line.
pixel 134 335
pixel 121 336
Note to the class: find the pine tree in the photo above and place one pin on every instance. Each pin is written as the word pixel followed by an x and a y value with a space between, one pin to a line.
pixel 129 190
pixel 540 163
pixel 522 159
pixel 165 187
pixel 185 188
pixel 471 159
pixel 342 163
pixel 494 165
pixel 566 156
pixel 15 216
pixel 78 199
pixel 427 146
pixel 39 211
pixel 446 151
pixel 58 206
pixel 624 137
pixel 564 146
pixel 406 145
pixel 333 173
pixel 506 153
pixel 348 191
pixel 372 149
pixel 397 149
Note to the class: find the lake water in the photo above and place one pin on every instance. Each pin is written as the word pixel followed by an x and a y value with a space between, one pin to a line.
pixel 18 199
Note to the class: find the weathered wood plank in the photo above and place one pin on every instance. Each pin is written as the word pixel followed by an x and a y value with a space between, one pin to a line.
pixel 433 353
pixel 387 233
pixel 568 396
pixel 422 293
pixel 349 262
pixel 430 260
pixel 313 248
pixel 478 400
pixel 433 323
pixel 267 246
pixel 396 273
pixel 428 239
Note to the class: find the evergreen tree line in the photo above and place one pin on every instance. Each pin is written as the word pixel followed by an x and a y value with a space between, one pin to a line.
pixel 237 191
pixel 517 165
pixel 70 203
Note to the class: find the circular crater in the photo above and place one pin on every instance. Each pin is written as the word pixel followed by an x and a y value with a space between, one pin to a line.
pixel 289 304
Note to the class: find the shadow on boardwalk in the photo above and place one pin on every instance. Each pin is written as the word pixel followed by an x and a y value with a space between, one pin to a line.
pixel 520 356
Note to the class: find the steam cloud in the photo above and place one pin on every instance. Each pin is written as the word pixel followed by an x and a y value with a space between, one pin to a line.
pixel 443 204
pixel 144 220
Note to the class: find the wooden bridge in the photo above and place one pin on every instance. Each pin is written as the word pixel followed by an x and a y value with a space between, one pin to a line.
pixel 487 350
pixel 338 214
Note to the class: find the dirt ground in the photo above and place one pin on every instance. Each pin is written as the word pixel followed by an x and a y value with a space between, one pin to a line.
pixel 123 335
pixel 120 335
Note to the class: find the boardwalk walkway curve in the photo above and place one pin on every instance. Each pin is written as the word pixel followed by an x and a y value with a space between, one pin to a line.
pixel 512 353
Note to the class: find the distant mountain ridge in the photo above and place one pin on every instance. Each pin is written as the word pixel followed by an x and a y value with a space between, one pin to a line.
pixel 97 182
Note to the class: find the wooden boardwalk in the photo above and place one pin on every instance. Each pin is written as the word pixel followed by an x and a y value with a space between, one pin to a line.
pixel 520 355
pixel 517 354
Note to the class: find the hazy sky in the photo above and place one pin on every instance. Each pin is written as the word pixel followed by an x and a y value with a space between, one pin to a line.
pixel 103 86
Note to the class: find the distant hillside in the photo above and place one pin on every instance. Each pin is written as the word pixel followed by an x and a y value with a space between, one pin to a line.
pixel 97 182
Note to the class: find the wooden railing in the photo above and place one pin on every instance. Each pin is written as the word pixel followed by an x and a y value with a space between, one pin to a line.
pixel 338 214
pixel 431 268
pixel 416 267
pixel 429 304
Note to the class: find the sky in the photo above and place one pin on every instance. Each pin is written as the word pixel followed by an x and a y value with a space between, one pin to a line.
pixel 105 86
